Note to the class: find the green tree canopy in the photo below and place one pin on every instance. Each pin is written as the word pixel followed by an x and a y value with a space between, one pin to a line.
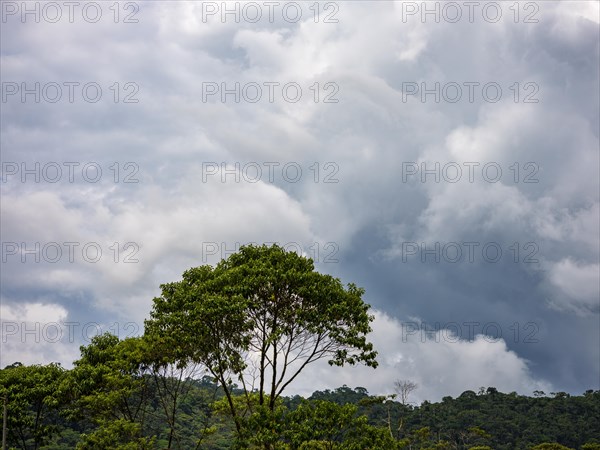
pixel 109 393
pixel 33 397
pixel 259 318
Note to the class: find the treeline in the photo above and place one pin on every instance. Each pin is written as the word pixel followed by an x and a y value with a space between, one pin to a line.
pixel 102 404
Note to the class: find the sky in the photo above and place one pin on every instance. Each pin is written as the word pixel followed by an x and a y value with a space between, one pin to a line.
pixel 442 155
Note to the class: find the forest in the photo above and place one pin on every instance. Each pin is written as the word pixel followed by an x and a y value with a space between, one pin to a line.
pixel 114 410
pixel 219 350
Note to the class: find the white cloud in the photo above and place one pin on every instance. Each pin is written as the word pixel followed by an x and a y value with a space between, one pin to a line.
pixel 579 283
pixel 440 363
pixel 198 224
pixel 33 312
pixel 32 332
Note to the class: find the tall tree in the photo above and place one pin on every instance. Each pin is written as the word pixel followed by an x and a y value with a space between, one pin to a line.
pixel 260 317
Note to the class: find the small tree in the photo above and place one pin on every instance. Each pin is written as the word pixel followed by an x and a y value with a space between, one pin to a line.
pixel 109 393
pixel 34 397
pixel 404 388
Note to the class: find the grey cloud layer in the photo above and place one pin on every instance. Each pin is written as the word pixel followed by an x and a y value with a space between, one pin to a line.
pixel 371 214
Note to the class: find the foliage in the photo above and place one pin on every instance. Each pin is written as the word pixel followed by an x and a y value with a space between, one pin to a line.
pixel 330 425
pixel 119 434
pixel 342 418
pixel 550 446
pixel 33 398
pixel 108 393
pixel 259 318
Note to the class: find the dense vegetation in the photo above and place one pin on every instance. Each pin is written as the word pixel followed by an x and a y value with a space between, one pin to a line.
pixel 98 407
pixel 220 347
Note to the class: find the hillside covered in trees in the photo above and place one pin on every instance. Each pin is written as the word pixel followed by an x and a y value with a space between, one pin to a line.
pixel 219 350
pixel 96 406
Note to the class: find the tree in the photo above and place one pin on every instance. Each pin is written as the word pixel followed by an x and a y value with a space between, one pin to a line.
pixel 109 393
pixel 330 426
pixel 320 420
pixel 172 384
pixel 404 388
pixel 260 317
pixel 33 400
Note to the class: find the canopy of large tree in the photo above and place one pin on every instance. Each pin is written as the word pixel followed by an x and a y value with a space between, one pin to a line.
pixel 259 317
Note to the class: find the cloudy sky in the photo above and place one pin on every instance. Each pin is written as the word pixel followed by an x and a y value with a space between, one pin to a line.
pixel 443 156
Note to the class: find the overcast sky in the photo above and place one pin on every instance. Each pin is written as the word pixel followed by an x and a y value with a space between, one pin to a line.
pixel 444 156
